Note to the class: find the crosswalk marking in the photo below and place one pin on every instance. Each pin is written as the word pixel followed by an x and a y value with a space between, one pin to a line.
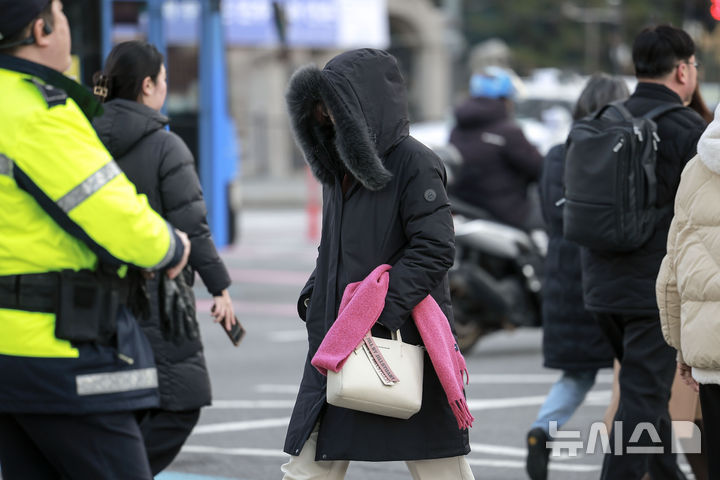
pixel 269 277
pixel 476 380
pixel 599 397
pixel 595 398
pixel 240 426
pixel 276 309
pixel 188 476
pixel 481 462
pixel 245 452
pixel 558 467
pixel 252 404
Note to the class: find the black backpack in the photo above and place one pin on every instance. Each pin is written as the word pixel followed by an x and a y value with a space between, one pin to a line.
pixel 610 182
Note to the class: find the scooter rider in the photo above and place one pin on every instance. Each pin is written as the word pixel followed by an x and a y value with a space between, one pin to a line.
pixel 73 362
pixel 499 163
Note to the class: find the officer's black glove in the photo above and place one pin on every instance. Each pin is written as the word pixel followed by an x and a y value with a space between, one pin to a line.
pixel 177 310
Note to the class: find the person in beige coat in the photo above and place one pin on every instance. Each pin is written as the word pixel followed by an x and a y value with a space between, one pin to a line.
pixel 688 285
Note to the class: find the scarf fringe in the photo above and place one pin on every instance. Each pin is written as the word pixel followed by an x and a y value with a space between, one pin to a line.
pixel 463 368
pixel 464 374
pixel 462 413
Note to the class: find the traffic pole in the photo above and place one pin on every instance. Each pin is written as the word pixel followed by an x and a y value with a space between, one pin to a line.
pixel 312 206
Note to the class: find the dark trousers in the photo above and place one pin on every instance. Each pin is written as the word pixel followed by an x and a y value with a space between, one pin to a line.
pixel 646 375
pixel 77 447
pixel 710 404
pixel 164 433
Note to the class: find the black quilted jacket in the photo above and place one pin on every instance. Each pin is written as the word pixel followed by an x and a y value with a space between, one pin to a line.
pixel 161 167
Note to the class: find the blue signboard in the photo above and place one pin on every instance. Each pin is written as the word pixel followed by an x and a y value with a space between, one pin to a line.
pixel 310 23
pixel 181 20
pixel 249 22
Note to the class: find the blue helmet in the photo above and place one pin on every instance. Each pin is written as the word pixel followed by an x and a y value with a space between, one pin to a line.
pixel 492 83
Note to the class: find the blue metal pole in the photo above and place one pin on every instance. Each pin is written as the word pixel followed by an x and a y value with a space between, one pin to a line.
pixel 213 123
pixel 156 30
pixel 106 25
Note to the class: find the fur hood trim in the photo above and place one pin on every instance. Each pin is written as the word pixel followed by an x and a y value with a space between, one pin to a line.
pixel 308 86
pixel 365 96
pixel 709 144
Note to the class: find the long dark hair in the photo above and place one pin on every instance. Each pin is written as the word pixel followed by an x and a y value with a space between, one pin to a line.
pixel 599 90
pixel 128 64
pixel 698 104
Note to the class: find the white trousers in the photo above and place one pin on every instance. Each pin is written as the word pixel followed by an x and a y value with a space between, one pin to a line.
pixel 304 466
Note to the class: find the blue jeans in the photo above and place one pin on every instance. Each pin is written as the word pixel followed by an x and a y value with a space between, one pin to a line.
pixel 565 397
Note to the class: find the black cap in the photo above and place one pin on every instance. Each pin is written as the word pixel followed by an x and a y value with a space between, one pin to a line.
pixel 17 14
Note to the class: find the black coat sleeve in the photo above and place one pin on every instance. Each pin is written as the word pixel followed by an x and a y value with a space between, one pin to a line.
pixel 521 154
pixel 551 187
pixel 424 211
pixel 184 207
pixel 305 295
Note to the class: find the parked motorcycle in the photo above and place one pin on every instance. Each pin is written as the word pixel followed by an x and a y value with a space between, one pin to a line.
pixel 496 280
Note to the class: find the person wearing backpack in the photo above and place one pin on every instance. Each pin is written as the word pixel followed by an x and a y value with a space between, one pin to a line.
pixel 620 267
pixel 572 341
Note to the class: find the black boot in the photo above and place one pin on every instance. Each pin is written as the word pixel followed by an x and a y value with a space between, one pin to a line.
pixel 538 454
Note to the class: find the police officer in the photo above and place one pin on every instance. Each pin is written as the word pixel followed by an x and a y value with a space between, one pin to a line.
pixel 73 362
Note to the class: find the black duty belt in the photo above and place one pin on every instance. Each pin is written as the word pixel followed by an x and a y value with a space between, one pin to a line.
pixel 39 292
pixel 85 303
pixel 33 292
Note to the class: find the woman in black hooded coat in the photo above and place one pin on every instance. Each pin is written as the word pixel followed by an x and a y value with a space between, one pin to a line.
pixel 384 201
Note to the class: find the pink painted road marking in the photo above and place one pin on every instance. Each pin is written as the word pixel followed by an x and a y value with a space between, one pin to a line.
pixel 269 277
pixel 278 309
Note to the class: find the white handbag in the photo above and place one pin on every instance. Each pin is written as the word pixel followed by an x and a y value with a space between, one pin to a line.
pixel 381 376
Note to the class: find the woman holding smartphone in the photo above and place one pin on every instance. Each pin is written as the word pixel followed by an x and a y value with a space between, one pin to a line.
pixel 133 87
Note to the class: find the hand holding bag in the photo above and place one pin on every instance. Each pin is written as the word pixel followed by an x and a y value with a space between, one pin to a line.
pixel 381 376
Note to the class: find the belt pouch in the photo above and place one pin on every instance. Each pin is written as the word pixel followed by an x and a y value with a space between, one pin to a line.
pixel 86 308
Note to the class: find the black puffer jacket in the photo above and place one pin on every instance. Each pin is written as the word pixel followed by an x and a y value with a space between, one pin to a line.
pixel 625 282
pixel 160 165
pixel 498 161
pixel 572 339
pixel 395 212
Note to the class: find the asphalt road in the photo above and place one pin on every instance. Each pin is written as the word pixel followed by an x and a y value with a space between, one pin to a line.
pixel 254 385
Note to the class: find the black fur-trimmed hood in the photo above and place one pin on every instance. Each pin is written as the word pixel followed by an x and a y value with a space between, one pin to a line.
pixel 365 95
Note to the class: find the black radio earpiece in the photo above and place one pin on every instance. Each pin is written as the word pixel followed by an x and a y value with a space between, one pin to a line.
pixel 47 30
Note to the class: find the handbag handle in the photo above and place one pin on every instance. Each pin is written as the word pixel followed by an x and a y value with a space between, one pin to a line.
pixel 395 335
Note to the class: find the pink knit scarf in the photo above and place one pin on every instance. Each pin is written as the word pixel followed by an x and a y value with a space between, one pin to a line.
pixel 362 304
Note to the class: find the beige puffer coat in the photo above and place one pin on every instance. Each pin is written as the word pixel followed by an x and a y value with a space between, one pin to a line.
pixel 688 285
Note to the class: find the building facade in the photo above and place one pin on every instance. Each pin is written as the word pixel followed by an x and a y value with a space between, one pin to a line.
pixel 258 78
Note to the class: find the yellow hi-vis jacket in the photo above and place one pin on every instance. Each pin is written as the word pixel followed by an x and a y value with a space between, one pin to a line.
pixel 63 204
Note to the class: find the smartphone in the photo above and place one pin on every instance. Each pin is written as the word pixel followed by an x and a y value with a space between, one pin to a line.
pixel 236 333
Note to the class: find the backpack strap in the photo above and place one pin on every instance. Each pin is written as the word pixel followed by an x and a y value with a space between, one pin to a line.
pixel 654 114
pixel 662 110
pixel 619 107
